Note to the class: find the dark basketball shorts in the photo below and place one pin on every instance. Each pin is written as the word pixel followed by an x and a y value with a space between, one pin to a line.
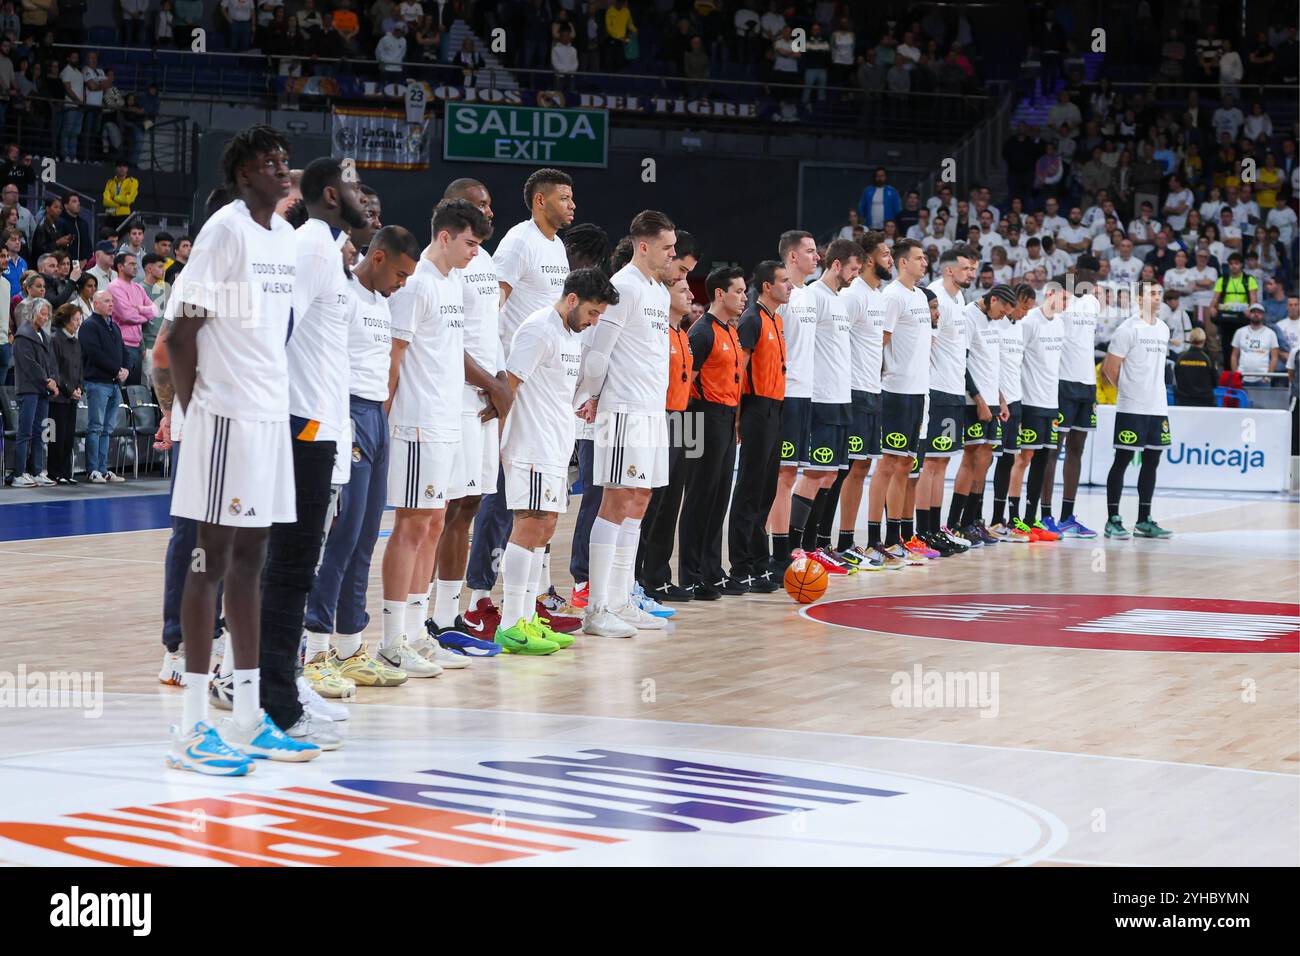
pixel 1135 432
pixel 978 432
pixel 828 446
pixel 1037 427
pixel 900 423
pixel 1008 433
pixel 1077 407
pixel 947 425
pixel 796 426
pixel 864 429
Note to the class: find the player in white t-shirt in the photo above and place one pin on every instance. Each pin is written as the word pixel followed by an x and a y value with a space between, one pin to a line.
pixel 1011 356
pixel 625 371
pixel 1255 349
pixel 531 265
pixel 946 425
pixel 797 251
pixel 426 381
pixel 544 365
pixel 832 410
pixel 904 384
pixel 317 354
pixel 235 470
pixel 1135 365
pixel 1044 336
pixel 337 603
pixel 986 408
pixel 864 299
pixel 1076 397
pixel 485 402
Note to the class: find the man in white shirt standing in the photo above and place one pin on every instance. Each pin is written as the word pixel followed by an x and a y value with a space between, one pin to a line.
pixel 74 101
pixel 625 373
pixel 1135 365
pixel 1053 221
pixel 544 366
pixel 1254 348
pixel 1125 268
pixel 531 265
pixel 96 82
pixel 426 381
pixel 1043 333
pixel 1178 204
pixel 1142 230
pixel 1074 238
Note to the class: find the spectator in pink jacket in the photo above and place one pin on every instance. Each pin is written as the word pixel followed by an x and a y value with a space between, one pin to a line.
pixel 132 310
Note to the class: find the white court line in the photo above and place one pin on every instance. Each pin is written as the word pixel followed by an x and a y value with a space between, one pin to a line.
pixel 683 723
pixel 76 557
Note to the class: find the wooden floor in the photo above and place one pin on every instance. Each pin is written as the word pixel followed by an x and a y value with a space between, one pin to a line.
pixel 755 669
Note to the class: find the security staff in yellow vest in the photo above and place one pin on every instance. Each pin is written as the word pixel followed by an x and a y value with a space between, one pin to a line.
pixel 1234 292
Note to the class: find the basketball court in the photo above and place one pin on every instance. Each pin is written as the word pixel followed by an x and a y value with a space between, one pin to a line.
pixel 1077 703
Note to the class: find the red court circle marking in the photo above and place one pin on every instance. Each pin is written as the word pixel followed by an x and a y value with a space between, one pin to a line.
pixel 1110 622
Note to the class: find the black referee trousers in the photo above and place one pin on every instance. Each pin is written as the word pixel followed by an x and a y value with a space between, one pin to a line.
pixel 708 490
pixel 659 524
pixel 760 465
pixel 291 554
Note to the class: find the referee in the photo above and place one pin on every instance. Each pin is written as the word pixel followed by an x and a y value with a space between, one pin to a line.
pixel 763 387
pixel 718 364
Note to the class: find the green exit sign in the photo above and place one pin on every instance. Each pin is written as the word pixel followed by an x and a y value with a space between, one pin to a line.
pixel 483 133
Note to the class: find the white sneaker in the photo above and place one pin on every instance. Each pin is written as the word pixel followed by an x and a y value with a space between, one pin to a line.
pixel 109 476
pixel 640 619
pixel 318 705
pixel 173 668
pixel 310 729
pixel 602 622
pixel 95 478
pixel 221 691
pixel 405 658
pixel 447 660
pixel 44 480
pixel 24 481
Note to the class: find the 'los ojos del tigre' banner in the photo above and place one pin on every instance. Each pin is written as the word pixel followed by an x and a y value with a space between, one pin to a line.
pixel 380 139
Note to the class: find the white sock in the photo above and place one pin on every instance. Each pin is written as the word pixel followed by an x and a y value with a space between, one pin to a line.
pixel 347 645
pixel 447 604
pixel 195 703
pixel 544 583
pixel 227 658
pixel 476 595
pixel 394 623
pixel 316 644
pixel 604 539
pixel 248 693
pixel 620 578
pixel 417 611
pixel 534 581
pixel 516 573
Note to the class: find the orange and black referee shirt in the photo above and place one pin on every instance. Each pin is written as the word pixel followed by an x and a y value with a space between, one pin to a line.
pixel 679 369
pixel 715 350
pixel 762 334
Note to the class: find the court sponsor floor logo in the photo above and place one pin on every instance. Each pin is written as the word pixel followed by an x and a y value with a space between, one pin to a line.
pixel 468 801
pixel 1116 622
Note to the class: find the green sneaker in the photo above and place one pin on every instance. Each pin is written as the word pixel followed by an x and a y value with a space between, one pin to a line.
pixel 1149 529
pixel 540 629
pixel 522 639
pixel 1115 529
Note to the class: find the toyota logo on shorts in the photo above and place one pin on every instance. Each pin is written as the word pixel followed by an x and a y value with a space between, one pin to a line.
pixel 1027 435
pixel 855 443
pixel 941 443
pixel 1128 437
pixel 822 456
pixel 787 449
pixel 976 430
pixel 896 440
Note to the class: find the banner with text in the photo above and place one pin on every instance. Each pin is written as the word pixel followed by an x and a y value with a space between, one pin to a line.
pixel 380 139
pixel 525 134
pixel 1221 449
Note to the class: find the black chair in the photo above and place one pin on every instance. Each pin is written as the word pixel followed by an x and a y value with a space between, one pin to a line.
pixel 83 419
pixel 121 432
pixel 145 416
pixel 9 415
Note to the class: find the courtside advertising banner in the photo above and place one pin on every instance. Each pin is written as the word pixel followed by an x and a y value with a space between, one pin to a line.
pixel 380 139
pixel 1218 449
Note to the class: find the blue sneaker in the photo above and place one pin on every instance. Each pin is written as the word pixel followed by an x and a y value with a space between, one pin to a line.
pixel 457 641
pixel 1072 527
pixel 265 741
pixel 1051 525
pixel 648 604
pixel 203 751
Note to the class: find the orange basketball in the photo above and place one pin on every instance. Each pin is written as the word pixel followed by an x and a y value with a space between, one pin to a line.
pixel 805 580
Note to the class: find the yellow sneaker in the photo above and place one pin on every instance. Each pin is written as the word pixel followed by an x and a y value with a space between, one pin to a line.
pixel 323 673
pixel 544 632
pixel 364 671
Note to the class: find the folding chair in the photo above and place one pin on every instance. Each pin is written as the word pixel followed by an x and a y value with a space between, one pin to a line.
pixel 144 422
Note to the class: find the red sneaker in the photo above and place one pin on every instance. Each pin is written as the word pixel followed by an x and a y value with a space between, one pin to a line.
pixel 558 622
pixel 579 598
pixel 831 565
pixel 483 620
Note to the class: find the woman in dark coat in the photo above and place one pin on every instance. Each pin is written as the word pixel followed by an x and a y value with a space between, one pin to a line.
pixel 63 407
pixel 35 376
